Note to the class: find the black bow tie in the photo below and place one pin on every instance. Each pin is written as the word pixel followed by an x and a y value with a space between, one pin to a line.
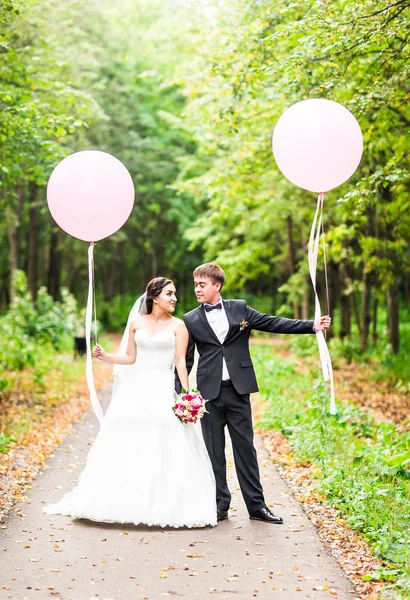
pixel 209 307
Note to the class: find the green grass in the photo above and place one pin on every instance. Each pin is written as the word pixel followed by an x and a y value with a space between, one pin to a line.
pixel 29 395
pixel 364 466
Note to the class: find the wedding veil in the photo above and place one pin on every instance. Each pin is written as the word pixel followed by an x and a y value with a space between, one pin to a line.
pixel 121 371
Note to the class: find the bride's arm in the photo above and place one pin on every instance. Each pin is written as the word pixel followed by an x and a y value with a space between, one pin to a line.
pixel 119 359
pixel 182 337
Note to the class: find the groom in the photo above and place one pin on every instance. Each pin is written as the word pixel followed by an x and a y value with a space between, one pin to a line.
pixel 220 330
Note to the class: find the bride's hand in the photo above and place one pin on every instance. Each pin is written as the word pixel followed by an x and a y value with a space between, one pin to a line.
pixel 99 352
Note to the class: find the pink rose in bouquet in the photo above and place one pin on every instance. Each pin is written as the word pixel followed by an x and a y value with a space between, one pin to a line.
pixel 189 406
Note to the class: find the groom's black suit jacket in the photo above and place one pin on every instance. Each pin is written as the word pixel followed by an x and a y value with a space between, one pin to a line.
pixel 235 348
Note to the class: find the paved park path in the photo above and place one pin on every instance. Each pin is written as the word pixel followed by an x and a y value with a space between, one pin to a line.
pixel 44 557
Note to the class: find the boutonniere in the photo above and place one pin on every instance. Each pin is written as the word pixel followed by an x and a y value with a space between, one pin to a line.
pixel 243 325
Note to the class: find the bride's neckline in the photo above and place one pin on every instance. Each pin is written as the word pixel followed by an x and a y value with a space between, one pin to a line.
pixel 154 334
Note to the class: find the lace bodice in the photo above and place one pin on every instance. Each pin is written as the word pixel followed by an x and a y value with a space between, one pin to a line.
pixel 155 351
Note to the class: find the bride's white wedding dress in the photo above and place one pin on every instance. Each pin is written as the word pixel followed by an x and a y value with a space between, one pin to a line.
pixel 145 466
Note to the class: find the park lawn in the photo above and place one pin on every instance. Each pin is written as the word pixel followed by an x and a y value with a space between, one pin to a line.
pixel 363 466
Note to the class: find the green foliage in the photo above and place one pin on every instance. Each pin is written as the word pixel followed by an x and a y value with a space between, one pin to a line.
pixel 188 99
pixel 28 325
pixel 95 75
pixel 363 464
pixel 114 314
pixel 266 57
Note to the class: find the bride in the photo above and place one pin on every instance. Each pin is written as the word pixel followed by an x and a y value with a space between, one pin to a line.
pixel 145 466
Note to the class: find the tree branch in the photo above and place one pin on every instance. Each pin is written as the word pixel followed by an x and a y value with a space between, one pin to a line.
pixel 378 12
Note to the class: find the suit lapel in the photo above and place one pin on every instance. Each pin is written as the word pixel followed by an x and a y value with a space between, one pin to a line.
pixel 228 311
pixel 205 323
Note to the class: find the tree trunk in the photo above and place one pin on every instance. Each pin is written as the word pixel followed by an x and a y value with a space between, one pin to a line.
pixel 393 316
pixel 13 219
pixel 274 288
pixel 356 312
pixel 374 321
pixel 345 320
pixel 53 280
pixel 292 260
pixel 345 312
pixel 305 301
pixel 71 277
pixel 365 312
pixel 12 233
pixel 328 308
pixel 367 279
pixel 406 291
pixel 393 291
pixel 306 288
pixel 32 273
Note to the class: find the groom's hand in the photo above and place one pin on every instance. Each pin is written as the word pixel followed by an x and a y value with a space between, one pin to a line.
pixel 322 323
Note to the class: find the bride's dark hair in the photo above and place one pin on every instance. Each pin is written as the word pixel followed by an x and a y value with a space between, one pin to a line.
pixel 154 288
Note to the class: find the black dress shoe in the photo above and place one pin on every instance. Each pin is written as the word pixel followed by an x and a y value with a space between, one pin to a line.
pixel 221 515
pixel 264 514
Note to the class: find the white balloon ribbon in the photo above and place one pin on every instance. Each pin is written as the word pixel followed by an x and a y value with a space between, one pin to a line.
pixel 95 403
pixel 312 259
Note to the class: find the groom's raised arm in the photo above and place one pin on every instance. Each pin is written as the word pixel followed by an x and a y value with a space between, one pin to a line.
pixel 273 324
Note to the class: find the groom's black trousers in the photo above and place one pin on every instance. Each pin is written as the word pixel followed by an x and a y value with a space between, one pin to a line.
pixel 234 410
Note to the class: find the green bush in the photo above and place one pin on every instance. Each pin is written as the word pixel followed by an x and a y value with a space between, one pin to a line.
pixel 29 325
pixel 114 314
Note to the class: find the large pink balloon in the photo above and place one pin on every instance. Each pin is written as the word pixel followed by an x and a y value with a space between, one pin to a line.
pixel 317 144
pixel 90 195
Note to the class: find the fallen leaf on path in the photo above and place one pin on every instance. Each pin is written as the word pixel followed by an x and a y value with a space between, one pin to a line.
pixel 321 588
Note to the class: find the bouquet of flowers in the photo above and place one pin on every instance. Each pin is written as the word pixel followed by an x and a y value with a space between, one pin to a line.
pixel 189 406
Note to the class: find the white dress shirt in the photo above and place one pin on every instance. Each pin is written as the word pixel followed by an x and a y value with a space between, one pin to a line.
pixel 218 321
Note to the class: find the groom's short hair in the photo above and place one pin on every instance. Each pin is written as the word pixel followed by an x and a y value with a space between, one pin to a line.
pixel 211 270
